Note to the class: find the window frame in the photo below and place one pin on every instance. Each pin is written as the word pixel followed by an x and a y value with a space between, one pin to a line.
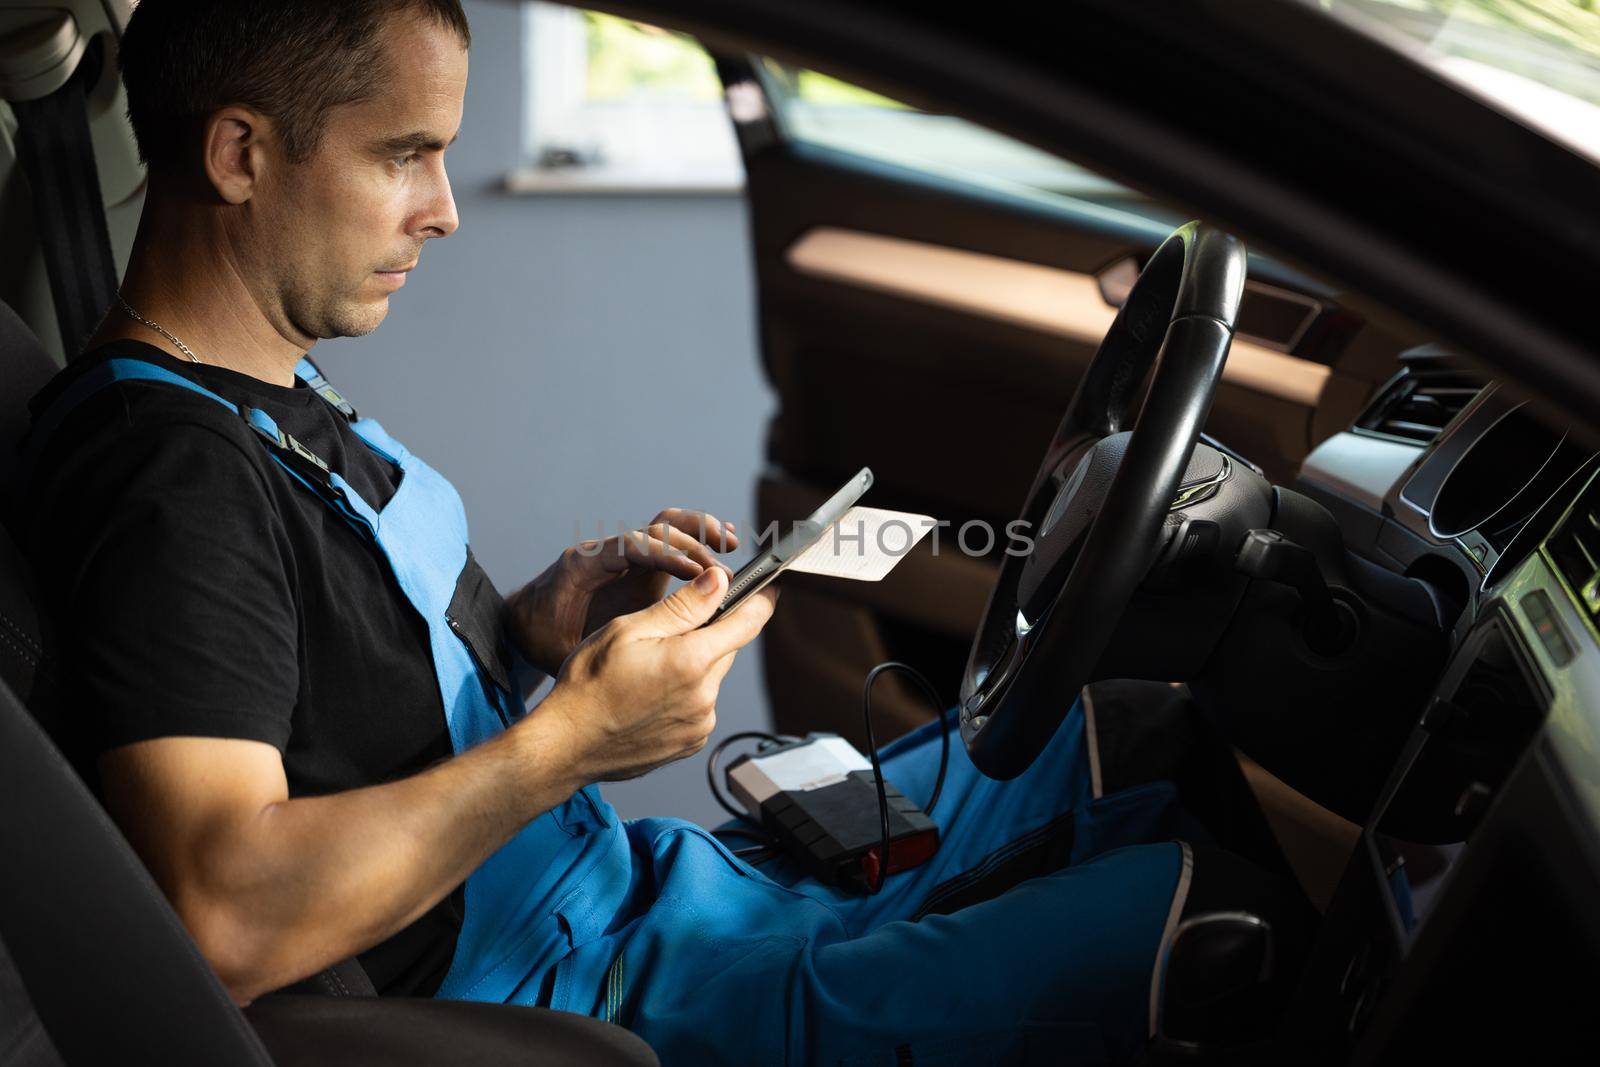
pixel 1074 182
pixel 704 157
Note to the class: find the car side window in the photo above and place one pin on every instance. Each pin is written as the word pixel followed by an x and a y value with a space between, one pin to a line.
pixel 817 109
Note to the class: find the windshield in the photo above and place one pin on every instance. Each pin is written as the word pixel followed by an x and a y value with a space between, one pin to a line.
pixel 1538 60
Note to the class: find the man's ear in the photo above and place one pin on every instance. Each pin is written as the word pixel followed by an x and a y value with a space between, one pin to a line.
pixel 232 152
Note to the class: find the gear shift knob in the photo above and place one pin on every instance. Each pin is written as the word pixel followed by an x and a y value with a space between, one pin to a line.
pixel 1217 986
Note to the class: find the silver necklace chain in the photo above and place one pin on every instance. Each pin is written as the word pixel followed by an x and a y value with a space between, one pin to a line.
pixel 158 328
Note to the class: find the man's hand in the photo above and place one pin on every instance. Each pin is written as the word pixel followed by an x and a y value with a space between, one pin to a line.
pixel 596 581
pixel 642 690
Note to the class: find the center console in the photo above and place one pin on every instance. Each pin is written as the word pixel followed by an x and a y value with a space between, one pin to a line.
pixel 1466 927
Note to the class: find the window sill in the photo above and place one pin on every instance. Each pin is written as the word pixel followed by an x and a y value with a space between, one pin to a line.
pixel 623 181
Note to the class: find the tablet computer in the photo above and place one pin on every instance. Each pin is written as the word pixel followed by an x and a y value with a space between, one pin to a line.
pixel 773 560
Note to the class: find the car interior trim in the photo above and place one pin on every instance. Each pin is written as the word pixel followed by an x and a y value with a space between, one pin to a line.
pixel 1063 302
pixel 1096 787
pixel 1421 490
pixel 1363 468
pixel 1118 278
pixel 1571 729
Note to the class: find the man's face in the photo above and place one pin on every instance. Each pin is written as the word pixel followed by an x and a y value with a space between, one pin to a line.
pixel 339 230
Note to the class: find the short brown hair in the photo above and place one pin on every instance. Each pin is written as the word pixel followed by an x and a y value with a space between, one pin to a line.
pixel 291 60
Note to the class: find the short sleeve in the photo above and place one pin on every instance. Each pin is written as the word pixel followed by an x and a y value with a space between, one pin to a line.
pixel 173 589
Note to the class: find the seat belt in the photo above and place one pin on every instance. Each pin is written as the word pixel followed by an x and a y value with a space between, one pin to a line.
pixel 69 216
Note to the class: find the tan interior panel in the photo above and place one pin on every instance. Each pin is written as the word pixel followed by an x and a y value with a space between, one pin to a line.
pixel 1049 299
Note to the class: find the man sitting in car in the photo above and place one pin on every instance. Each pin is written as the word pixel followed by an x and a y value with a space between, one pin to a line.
pixel 304 703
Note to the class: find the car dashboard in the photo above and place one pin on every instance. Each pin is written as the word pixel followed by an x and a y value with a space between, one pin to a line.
pixel 1477 869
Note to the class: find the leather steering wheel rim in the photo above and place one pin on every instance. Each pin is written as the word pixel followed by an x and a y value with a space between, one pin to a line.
pixel 1052 612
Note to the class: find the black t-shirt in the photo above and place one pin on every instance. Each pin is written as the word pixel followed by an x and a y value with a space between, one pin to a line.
pixel 197 589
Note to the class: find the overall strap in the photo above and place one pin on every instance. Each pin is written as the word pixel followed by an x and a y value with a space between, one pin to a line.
pixel 374 436
pixel 307 372
pixel 304 465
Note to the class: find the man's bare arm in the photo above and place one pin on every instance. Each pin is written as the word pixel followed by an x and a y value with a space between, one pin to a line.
pixel 274 889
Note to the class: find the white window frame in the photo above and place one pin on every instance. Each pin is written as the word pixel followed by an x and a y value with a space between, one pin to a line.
pixel 669 146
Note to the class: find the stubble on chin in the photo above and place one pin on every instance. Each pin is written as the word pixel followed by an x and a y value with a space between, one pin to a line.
pixel 358 320
pixel 345 316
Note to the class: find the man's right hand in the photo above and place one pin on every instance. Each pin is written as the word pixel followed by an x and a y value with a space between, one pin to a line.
pixel 641 691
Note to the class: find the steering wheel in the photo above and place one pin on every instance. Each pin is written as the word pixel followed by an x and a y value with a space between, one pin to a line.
pixel 1102 494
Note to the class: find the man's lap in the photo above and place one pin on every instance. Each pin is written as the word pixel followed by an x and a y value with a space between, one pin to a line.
pixel 996 834
pixel 1030 936
pixel 1056 970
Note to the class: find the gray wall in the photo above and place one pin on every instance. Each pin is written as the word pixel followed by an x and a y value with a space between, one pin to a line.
pixel 571 359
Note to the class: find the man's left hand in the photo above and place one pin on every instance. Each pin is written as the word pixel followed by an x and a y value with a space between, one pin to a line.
pixel 595 581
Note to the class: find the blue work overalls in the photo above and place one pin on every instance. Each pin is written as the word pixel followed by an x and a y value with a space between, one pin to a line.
pixel 654 924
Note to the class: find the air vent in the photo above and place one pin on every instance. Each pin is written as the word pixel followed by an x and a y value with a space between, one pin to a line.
pixel 1574 551
pixel 1419 402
